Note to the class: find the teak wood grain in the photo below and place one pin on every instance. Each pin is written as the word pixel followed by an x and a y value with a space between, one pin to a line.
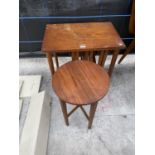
pixel 81 36
pixel 82 40
pixel 80 82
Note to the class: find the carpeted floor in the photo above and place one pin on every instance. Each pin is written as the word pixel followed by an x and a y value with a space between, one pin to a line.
pixel 113 128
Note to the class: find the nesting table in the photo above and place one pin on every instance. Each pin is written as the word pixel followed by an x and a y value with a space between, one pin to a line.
pixel 82 37
pixel 81 82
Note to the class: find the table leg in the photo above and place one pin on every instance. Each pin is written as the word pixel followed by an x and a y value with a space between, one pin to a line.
pixel 86 55
pixel 94 59
pixel 92 113
pixel 56 60
pixel 75 56
pixel 131 46
pixel 50 62
pixel 113 61
pixel 102 58
pixel 91 54
pixel 64 111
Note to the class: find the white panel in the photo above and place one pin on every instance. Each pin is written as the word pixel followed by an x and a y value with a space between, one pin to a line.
pixel 35 132
pixel 31 85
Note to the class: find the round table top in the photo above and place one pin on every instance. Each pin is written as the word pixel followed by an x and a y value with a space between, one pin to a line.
pixel 80 82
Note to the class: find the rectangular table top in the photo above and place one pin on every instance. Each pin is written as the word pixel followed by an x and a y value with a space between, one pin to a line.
pixel 81 37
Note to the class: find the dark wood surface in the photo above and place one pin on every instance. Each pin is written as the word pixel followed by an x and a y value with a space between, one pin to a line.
pixel 132 19
pixel 80 37
pixel 80 82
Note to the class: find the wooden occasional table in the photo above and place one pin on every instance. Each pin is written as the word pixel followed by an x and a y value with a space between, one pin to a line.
pixel 80 37
pixel 80 83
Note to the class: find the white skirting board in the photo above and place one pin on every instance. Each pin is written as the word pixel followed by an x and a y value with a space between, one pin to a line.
pixel 34 136
pixel 30 86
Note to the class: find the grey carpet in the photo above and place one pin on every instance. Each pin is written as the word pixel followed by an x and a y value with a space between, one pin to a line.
pixel 112 132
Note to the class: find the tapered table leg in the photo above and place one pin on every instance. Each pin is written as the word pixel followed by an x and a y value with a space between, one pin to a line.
pixel 50 62
pixel 131 46
pixel 113 61
pixel 75 56
pixel 56 60
pixel 91 115
pixel 64 110
pixel 102 58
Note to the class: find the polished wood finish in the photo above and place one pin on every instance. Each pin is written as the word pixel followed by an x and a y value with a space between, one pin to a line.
pixel 50 62
pixel 80 82
pixel 132 19
pixel 92 113
pixel 113 61
pixel 80 37
pixel 89 118
pixel 86 56
pixel 75 56
pixel 64 111
pixel 102 58
pixel 56 60
pixel 130 47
